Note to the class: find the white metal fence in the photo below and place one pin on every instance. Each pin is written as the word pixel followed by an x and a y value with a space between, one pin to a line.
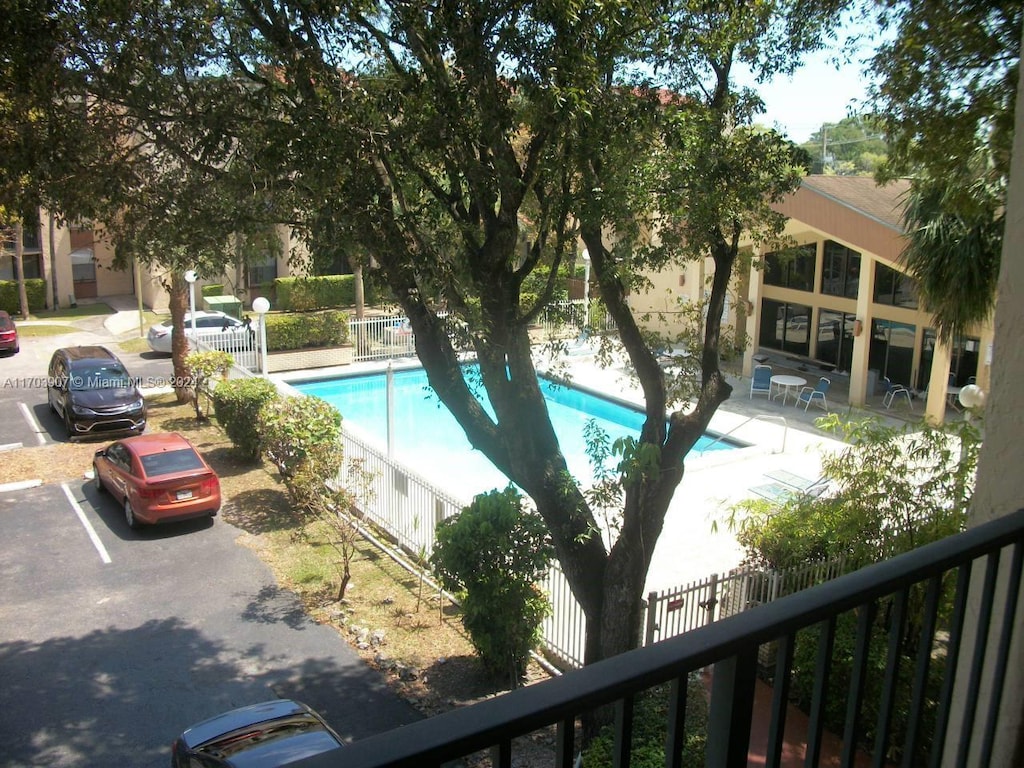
pixel 404 505
pixel 382 338
pixel 242 343
pixel 407 507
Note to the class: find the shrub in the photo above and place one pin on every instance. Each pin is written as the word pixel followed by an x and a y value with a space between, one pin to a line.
pixel 237 404
pixel 35 289
pixel 307 329
pixel 215 289
pixel 202 368
pixel 650 718
pixel 291 431
pixel 492 554
pixel 306 293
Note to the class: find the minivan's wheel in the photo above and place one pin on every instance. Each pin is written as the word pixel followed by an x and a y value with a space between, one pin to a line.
pixel 96 478
pixel 129 514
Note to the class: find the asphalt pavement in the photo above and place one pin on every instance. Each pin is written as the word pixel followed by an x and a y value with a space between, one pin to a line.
pixel 112 640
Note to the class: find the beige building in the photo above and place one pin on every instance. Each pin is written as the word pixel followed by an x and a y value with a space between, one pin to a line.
pixel 83 268
pixel 837 298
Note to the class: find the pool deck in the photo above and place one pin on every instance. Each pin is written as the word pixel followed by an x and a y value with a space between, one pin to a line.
pixel 782 438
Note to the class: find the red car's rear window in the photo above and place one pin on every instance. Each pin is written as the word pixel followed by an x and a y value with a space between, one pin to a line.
pixel 181 460
pixel 5 323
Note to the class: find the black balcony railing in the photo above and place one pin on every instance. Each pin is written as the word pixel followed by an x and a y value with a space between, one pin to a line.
pixel 913 671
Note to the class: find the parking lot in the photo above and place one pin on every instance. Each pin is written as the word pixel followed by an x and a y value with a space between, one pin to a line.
pixel 112 641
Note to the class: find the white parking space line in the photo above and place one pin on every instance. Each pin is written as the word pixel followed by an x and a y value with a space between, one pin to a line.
pixel 33 424
pixel 86 524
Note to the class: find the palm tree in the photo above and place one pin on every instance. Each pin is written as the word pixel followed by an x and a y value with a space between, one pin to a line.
pixel 955 235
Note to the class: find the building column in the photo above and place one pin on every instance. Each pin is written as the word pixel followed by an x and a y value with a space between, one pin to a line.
pixel 753 319
pixel 862 341
pixel 935 405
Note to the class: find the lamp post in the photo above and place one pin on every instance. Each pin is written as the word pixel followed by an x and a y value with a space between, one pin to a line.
pixel 261 306
pixel 190 278
pixel 586 289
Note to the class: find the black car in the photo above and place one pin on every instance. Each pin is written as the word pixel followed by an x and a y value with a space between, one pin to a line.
pixel 265 735
pixel 90 389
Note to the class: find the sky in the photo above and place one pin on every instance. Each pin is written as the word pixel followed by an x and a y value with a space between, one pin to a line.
pixel 818 93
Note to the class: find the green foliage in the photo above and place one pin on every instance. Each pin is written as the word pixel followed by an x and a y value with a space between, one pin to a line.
pixel 841 669
pixel 237 404
pixel 301 330
pixel 293 432
pixel 953 249
pixel 650 719
pixel 894 489
pixel 306 293
pixel 34 287
pixel 944 92
pixel 853 147
pixel 202 370
pixel 213 289
pixel 492 554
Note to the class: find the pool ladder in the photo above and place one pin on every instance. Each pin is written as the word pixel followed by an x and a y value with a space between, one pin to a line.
pixel 762 416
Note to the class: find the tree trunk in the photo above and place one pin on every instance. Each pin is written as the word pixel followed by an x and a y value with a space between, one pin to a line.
pixel 178 301
pixel 19 267
pixel 55 303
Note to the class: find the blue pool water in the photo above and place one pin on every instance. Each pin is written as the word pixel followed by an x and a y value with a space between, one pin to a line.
pixel 428 438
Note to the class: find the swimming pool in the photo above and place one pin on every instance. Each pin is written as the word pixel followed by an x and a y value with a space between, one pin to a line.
pixel 428 438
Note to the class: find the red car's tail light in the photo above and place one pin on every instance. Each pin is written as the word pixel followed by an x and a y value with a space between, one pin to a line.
pixel 152 493
pixel 210 486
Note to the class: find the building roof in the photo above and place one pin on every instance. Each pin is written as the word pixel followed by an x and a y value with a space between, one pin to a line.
pixel 865 196
pixel 853 210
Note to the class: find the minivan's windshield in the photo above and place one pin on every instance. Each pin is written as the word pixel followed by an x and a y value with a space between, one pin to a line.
pixel 97 375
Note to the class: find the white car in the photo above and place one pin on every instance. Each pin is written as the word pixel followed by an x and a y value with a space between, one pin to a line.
pixel 209 325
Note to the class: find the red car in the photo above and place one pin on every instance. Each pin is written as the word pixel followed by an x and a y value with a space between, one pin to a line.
pixel 8 334
pixel 159 477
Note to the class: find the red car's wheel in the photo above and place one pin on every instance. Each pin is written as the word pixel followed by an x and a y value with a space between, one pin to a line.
pixel 129 514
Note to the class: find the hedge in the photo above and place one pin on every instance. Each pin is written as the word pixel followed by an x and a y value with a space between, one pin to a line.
pixel 34 287
pixel 307 329
pixel 306 293
pixel 214 289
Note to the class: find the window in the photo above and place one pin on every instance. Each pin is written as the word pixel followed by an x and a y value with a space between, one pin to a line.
pixel 792 268
pixel 891 352
pixel 169 462
pixel 83 266
pixel 840 270
pixel 29 263
pixel 262 272
pixel 785 326
pixel 894 288
pixel 835 339
pixel 30 239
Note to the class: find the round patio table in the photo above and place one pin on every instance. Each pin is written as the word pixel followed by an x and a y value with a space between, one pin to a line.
pixel 785 383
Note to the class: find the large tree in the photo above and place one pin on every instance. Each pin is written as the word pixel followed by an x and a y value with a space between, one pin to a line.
pixel 461 146
pixel 945 93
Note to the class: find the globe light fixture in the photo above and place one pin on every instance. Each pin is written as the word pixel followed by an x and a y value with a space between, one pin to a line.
pixel 971 397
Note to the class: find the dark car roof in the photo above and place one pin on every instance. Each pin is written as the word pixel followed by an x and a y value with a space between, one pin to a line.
pixel 94 352
pixel 239 718
pixel 263 735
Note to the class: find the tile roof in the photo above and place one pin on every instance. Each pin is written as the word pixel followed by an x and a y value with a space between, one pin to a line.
pixel 864 195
